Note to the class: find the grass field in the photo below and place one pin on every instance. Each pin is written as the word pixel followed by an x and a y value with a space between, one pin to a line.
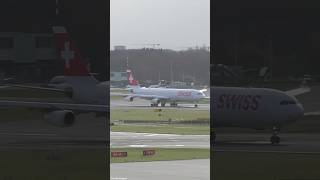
pixel 161 154
pixel 163 129
pixel 265 166
pixel 73 164
pixel 164 115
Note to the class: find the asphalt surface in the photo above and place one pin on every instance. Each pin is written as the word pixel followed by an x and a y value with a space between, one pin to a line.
pixel 140 103
pixel 87 132
pixel 168 170
pixel 126 139
pixel 259 143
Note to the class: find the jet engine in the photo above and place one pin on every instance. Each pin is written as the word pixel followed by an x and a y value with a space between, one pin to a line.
pixel 61 118
pixel 129 98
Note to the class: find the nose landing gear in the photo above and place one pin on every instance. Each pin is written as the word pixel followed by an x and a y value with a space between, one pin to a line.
pixel 275 139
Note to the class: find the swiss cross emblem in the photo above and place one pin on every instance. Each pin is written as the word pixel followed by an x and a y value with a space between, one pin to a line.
pixel 67 54
pixel 130 78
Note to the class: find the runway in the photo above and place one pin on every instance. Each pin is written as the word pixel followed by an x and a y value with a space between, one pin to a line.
pixel 87 132
pixel 168 170
pixel 140 103
pixel 127 139
pixel 300 143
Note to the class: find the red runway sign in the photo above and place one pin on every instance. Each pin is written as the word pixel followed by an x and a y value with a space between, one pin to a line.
pixel 149 152
pixel 119 154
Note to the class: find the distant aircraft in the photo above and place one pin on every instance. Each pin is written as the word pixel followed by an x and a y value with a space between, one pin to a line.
pixel 161 95
pixel 88 94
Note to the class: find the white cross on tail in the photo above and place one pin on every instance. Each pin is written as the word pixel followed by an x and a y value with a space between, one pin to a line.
pixel 67 54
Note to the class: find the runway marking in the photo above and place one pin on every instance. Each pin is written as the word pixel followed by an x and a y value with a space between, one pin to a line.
pixel 281 152
pixel 138 145
pixel 118 178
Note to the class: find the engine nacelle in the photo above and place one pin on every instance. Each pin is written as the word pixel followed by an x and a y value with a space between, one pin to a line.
pixel 129 98
pixel 155 101
pixel 61 118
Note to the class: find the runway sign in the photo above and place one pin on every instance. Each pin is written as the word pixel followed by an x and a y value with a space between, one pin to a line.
pixel 119 154
pixel 149 152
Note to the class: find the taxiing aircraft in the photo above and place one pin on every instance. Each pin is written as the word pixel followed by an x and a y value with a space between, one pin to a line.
pixel 161 95
pixel 255 108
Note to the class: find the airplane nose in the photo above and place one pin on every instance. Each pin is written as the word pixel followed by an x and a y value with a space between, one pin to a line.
pixel 298 113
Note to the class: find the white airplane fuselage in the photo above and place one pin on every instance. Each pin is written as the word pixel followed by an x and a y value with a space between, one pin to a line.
pixel 170 94
pixel 257 108
pixel 84 89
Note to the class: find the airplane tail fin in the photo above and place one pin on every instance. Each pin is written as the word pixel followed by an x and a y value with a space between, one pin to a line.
pixel 131 80
pixel 74 64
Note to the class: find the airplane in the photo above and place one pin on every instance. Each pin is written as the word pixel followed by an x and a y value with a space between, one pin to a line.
pixel 160 95
pixel 89 94
pixel 77 82
pixel 255 108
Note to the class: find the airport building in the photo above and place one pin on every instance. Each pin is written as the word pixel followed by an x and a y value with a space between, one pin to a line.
pixel 118 79
pixel 27 56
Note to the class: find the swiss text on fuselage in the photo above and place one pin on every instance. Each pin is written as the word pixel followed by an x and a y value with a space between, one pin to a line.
pixel 239 102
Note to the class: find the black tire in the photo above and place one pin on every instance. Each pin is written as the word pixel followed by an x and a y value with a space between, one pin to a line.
pixel 275 139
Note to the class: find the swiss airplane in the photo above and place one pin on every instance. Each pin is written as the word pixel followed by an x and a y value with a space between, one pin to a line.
pixel 162 95
pixel 77 82
pixel 256 108
pixel 88 94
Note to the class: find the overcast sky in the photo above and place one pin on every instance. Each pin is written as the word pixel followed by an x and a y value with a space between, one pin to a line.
pixel 174 24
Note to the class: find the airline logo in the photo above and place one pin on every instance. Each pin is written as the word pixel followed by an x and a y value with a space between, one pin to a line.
pixel 131 80
pixel 74 64
pixel 67 54
pixel 240 102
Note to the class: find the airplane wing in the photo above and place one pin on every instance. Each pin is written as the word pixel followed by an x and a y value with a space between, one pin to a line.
pixel 298 91
pixel 55 106
pixel 38 88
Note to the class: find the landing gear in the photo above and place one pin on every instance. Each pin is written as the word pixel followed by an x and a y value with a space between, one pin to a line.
pixel 275 139
pixel 163 104
pixel 196 105
pixel 154 105
pixel 174 104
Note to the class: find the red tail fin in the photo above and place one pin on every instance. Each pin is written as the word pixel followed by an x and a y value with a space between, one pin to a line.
pixel 131 80
pixel 74 64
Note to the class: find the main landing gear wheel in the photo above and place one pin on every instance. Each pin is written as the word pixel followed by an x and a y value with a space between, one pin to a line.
pixel 154 105
pixel 275 139
pixel 196 105
pixel 173 104
pixel 163 104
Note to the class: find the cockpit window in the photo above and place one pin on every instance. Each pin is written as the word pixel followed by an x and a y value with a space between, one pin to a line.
pixel 287 102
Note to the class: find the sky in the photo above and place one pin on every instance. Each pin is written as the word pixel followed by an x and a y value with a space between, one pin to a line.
pixel 174 24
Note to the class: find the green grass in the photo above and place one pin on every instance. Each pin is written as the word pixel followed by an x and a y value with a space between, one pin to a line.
pixel 114 98
pixel 150 114
pixel 163 129
pixel 265 166
pixel 74 164
pixel 162 154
